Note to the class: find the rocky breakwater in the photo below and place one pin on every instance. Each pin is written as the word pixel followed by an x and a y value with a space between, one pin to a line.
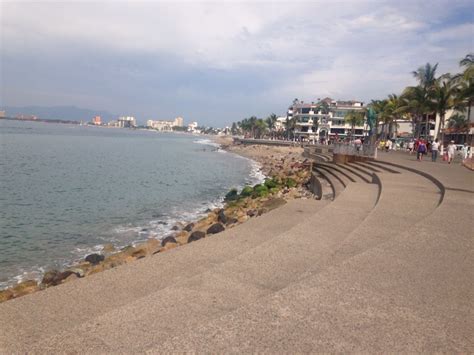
pixel 289 176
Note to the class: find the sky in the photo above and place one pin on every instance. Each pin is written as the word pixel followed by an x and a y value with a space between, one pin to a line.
pixel 220 62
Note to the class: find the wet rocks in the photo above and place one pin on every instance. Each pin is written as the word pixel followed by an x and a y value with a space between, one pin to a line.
pixel 6 295
pixel 196 236
pixel 189 227
pixel 215 228
pixel 55 277
pixel 167 240
pixel 221 217
pixel 251 213
pixel 94 259
pixel 25 288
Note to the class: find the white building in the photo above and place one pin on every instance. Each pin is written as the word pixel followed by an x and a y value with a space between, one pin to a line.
pixel 324 119
pixel 126 122
pixel 192 127
pixel 165 125
pixel 280 123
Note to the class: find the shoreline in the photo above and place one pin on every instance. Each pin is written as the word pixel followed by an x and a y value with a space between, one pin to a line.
pixel 284 163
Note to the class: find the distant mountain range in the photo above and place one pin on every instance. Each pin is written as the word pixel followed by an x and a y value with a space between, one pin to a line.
pixel 71 113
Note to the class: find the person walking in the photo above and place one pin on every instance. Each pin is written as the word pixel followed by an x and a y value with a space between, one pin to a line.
pixel 388 145
pixel 434 150
pixel 465 151
pixel 421 150
pixel 451 151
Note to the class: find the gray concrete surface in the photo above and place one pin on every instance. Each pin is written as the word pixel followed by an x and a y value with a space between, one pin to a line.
pixel 350 276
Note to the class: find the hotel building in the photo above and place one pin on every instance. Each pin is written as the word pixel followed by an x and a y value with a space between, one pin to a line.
pixel 324 119
pixel 163 125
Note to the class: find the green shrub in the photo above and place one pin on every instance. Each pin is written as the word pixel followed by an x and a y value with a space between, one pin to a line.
pixel 274 190
pixel 270 183
pixel 232 195
pixel 246 191
pixel 290 182
pixel 259 191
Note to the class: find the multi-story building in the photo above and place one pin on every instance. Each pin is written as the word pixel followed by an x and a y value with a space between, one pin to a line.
pixel 127 122
pixel 192 127
pixel 165 125
pixel 96 121
pixel 324 119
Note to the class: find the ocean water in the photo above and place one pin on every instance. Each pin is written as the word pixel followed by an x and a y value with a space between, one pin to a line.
pixel 66 190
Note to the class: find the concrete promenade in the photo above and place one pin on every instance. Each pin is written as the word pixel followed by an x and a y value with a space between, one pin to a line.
pixel 386 266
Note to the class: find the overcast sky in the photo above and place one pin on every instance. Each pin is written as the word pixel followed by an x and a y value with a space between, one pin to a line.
pixel 220 62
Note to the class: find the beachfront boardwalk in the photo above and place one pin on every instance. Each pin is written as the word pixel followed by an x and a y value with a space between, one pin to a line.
pixel 387 266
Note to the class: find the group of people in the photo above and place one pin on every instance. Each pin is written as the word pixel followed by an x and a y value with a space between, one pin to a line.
pixel 424 147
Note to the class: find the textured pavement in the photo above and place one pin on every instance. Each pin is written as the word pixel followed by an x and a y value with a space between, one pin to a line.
pixel 356 274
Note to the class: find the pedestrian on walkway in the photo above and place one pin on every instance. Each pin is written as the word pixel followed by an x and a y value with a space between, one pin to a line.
pixel 465 151
pixel 451 151
pixel 434 150
pixel 421 150
pixel 388 145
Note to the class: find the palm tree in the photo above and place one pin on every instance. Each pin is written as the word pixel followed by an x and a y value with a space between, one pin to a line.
pixel 378 106
pixel 252 124
pixel 354 118
pixel 466 84
pixel 458 122
pixel 427 78
pixel 260 128
pixel 415 102
pixel 426 75
pixel 270 121
pixel 443 98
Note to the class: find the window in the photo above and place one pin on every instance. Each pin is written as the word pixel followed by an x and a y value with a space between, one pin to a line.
pixel 305 110
pixel 339 113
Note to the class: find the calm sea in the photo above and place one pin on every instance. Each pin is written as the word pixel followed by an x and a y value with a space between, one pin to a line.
pixel 65 190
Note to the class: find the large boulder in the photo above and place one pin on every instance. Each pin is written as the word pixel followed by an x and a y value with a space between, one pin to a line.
pixel 189 227
pixel 221 217
pixel 94 259
pixel 49 277
pixel 55 277
pixel 196 236
pixel 215 228
pixel 167 240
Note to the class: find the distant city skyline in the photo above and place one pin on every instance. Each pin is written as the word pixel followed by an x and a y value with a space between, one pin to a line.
pixel 217 63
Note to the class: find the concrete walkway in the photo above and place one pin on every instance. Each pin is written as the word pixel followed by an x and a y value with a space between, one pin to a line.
pixel 384 267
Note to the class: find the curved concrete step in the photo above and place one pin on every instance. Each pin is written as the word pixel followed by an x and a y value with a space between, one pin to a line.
pixel 94 295
pixel 361 169
pixel 368 166
pixel 363 175
pixel 398 209
pixel 336 183
pixel 382 166
pixel 347 176
pixel 361 288
pixel 150 321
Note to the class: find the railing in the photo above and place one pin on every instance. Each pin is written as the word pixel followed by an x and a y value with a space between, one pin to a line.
pixel 366 150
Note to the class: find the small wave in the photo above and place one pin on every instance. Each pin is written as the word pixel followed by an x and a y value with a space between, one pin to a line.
pixel 207 142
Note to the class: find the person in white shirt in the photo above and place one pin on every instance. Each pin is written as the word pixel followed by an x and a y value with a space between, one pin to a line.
pixel 464 151
pixel 451 151
pixel 434 150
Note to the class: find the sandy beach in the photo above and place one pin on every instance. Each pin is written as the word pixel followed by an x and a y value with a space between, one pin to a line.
pixel 287 174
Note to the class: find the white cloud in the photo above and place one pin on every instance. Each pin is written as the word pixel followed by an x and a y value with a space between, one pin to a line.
pixel 348 49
